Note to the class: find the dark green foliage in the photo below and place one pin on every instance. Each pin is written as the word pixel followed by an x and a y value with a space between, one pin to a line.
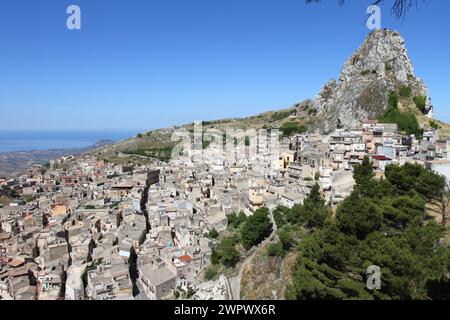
pixel 27 199
pixel 405 92
pixel 213 234
pixel 384 226
pixel 313 212
pixel 44 168
pixel 401 211
pixel 420 102
pixel 92 266
pixel 412 177
pixel 358 216
pixel 363 173
pixel 235 221
pixel 434 125
pixel 280 215
pixel 112 176
pixel 256 228
pixel 290 128
pixel 211 272
pixel 293 215
pixel 205 144
pixel 163 154
pixel 276 250
pixel 225 253
pixel 286 239
pixel 406 121
pixel 367 72
pixel 190 292
pixel 281 115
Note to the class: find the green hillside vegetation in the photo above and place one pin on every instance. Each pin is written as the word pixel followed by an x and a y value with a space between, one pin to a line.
pixel 420 102
pixel 225 253
pixel 290 128
pixel 405 91
pixel 242 231
pixel 162 154
pixel 157 144
pixel 382 223
pixel 256 228
pixel 406 121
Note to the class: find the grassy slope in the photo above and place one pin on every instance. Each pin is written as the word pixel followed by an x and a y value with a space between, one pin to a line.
pixel 406 104
pixel 160 139
pixel 157 143
pixel 267 276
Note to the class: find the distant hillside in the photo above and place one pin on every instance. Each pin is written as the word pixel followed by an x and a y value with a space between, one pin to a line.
pixel 17 162
pixel 158 144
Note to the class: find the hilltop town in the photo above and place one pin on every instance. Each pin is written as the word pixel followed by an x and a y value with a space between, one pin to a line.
pixel 144 219
pixel 84 228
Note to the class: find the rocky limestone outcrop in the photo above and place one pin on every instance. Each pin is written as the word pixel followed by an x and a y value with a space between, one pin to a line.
pixel 379 66
pixel 213 290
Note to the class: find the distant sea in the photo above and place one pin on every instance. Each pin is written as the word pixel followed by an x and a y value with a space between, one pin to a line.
pixel 25 140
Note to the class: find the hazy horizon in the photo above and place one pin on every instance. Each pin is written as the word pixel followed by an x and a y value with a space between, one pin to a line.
pixel 33 140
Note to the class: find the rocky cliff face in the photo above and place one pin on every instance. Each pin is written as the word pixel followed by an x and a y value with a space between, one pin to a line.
pixel 379 66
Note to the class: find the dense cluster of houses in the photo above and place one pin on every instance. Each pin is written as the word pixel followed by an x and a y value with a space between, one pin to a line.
pixel 85 228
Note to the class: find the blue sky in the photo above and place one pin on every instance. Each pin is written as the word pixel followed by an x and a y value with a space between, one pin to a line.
pixel 150 64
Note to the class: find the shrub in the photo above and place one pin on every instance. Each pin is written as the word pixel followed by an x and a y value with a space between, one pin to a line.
pixel 211 273
pixel 290 128
pixel 420 102
pixel 205 144
pixel 280 215
pixel 225 253
pixel 434 124
pixel 406 121
pixel 235 221
pixel 213 234
pixel 275 250
pixel 405 92
pixel 256 228
pixel 283 114
pixel 163 154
